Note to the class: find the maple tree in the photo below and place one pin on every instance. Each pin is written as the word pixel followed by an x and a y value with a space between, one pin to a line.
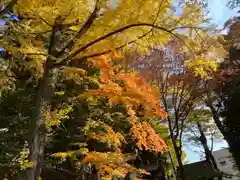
pixel 104 131
pixel 128 94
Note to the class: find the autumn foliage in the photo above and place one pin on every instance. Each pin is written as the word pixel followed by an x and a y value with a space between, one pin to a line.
pixel 113 107
pixel 116 88
pixel 132 92
pixel 127 88
pixel 108 136
pixel 146 138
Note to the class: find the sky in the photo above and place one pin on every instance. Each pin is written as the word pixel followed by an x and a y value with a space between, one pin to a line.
pixel 219 14
pixel 193 152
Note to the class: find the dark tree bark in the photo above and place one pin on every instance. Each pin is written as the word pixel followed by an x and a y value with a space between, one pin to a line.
pixel 177 149
pixel 181 172
pixel 38 127
pixel 37 130
pixel 230 137
pixel 208 153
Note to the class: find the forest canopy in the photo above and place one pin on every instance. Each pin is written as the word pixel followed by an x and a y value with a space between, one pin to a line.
pixel 100 89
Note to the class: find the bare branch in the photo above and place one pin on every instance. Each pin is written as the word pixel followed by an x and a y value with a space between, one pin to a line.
pixel 180 100
pixel 82 31
pixel 181 134
pixel 196 136
pixel 211 149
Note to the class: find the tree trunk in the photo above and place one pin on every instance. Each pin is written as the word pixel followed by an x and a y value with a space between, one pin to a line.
pixel 216 118
pixel 38 127
pixel 208 153
pixel 173 165
pixel 177 149
pixel 227 135
pixel 230 137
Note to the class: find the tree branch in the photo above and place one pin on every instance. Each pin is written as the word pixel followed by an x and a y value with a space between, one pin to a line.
pixel 82 31
pixel 8 7
pixel 181 131
pixel 196 136
pixel 108 51
pixel 122 46
pixel 211 149
pixel 37 54
pixel 117 32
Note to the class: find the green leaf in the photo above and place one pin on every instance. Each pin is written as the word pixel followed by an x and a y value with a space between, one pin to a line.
pixel 60 93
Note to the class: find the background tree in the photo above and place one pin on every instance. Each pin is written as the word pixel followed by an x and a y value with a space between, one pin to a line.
pixel 233 4
pixel 178 89
pixel 199 129
pixel 227 91
pixel 217 92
